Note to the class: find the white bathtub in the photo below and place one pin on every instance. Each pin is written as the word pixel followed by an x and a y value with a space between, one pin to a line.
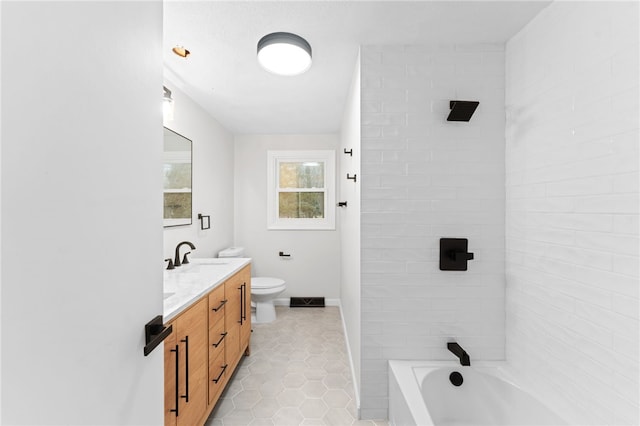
pixel 421 393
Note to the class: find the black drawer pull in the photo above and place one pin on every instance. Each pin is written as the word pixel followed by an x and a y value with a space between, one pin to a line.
pixel 241 288
pixel 244 301
pixel 219 307
pixel 186 367
pixel 216 380
pixel 215 345
pixel 175 410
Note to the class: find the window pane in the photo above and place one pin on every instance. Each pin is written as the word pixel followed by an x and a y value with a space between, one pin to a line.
pixel 177 205
pixel 295 205
pixel 301 175
pixel 177 175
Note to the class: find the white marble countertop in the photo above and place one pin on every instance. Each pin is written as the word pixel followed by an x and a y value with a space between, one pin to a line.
pixel 188 283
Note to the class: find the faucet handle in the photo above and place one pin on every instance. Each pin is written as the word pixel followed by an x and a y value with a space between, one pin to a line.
pixel 170 266
pixel 184 258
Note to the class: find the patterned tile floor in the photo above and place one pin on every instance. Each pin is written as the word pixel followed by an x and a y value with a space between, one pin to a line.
pixel 297 374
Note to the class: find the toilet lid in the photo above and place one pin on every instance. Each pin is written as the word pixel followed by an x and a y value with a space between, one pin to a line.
pixel 266 282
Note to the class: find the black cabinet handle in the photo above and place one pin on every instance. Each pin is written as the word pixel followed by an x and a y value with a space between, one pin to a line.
pixel 175 410
pixel 244 301
pixel 215 345
pixel 219 307
pixel 186 367
pixel 241 304
pixel 216 380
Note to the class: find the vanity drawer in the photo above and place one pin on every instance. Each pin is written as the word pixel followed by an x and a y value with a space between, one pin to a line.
pixel 217 377
pixel 217 337
pixel 217 304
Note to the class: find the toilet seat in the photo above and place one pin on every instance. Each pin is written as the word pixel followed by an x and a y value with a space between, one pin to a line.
pixel 265 283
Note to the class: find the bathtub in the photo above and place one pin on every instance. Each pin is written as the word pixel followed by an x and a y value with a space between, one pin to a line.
pixel 421 393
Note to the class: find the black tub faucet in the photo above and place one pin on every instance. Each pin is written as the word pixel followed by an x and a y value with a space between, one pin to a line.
pixel 176 261
pixel 457 350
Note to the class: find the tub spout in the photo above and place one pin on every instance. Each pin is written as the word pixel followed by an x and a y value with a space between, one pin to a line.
pixel 457 350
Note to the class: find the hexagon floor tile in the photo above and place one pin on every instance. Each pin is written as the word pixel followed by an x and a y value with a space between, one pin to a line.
pixel 297 374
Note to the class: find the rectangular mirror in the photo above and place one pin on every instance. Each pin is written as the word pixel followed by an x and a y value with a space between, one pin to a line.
pixel 177 179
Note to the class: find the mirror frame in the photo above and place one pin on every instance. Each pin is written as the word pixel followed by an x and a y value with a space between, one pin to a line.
pixel 178 221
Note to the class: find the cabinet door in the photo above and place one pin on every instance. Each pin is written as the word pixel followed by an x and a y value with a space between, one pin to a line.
pixel 171 369
pixel 232 321
pixel 245 326
pixel 192 339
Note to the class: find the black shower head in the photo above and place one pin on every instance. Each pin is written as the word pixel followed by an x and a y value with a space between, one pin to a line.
pixel 462 110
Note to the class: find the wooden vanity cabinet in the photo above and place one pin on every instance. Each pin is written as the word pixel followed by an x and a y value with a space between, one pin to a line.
pixel 186 367
pixel 217 330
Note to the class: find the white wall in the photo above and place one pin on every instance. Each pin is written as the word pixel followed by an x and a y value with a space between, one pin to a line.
pixel 424 178
pixel 314 266
pixel 81 201
pixel 213 190
pixel 572 209
pixel 349 224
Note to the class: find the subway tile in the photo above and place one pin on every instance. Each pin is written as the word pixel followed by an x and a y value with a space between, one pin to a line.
pixel 608 319
pixel 620 244
pixel 383 94
pixel 626 224
pixel 383 143
pixel 383 119
pixel 625 305
pixel 371 106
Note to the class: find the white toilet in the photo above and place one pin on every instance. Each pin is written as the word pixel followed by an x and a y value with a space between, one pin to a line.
pixel 264 290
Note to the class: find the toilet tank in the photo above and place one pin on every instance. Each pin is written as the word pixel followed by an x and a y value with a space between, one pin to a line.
pixel 232 252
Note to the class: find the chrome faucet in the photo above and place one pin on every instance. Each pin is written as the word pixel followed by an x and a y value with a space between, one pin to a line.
pixel 176 261
pixel 457 350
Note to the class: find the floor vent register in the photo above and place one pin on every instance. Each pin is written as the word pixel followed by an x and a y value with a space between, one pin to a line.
pixel 306 302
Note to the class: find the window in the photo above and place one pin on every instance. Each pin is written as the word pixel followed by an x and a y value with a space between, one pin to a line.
pixel 301 191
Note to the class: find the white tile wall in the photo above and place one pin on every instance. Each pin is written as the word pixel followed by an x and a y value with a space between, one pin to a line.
pixel 424 178
pixel 572 209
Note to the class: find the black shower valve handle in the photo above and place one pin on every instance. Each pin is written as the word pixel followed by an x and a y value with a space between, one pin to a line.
pixel 460 255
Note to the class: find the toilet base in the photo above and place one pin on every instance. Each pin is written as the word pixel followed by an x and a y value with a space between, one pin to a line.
pixel 265 312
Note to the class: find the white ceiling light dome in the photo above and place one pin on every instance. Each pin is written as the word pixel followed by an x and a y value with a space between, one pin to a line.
pixel 284 53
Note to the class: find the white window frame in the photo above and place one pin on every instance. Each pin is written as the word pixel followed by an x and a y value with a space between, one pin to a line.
pixel 274 158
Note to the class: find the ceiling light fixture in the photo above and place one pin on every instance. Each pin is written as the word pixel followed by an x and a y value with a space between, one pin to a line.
pixel 284 53
pixel 181 51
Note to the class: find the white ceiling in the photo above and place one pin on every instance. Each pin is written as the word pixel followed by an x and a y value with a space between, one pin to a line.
pixel 223 76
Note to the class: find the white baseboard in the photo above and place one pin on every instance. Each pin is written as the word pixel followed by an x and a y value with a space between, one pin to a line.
pixel 356 394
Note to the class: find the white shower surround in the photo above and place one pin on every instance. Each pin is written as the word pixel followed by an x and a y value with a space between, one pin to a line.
pixel 424 178
pixel 572 209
